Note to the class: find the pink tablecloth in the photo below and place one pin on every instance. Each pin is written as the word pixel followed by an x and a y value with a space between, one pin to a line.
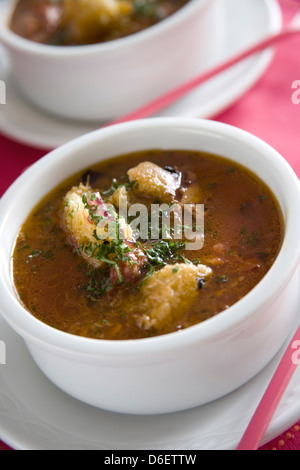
pixel 267 110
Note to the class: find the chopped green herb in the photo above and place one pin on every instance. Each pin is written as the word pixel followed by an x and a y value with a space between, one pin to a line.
pixel 244 207
pixel 34 254
pixel 144 8
pixel 115 185
pixel 34 268
pixel 263 254
pixel 253 240
pixel 230 169
pixel 25 247
pixel 222 278
pixel 162 251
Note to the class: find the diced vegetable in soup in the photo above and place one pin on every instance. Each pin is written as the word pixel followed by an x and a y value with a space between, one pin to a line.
pixel 120 252
pixel 78 22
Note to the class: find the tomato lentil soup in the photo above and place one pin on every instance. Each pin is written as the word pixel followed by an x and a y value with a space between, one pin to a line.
pixel 120 291
pixel 80 22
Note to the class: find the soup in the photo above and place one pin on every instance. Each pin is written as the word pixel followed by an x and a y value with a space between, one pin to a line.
pixel 85 266
pixel 79 22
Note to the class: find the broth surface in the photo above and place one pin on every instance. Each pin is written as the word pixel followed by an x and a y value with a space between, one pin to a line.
pixel 243 232
pixel 80 22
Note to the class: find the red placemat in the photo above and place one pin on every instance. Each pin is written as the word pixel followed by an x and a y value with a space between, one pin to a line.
pixel 270 112
pixel 267 111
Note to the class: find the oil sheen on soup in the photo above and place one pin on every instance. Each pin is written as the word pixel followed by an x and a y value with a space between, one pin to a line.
pixel 146 244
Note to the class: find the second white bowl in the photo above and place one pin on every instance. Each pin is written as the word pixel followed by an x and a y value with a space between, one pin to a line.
pixel 104 81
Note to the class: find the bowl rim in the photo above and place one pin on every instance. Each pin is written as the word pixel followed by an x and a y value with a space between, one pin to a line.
pixel 233 318
pixel 26 45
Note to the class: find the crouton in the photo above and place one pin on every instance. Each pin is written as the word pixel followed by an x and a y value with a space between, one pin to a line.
pixel 119 198
pixel 96 9
pixel 155 182
pixel 87 17
pixel 170 292
pixel 82 228
pixel 192 194
pixel 76 217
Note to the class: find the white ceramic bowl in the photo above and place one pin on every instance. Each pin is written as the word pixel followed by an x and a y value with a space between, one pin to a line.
pixel 183 369
pixel 104 81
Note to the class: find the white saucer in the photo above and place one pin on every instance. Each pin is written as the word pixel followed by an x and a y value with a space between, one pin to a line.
pixel 246 22
pixel 36 415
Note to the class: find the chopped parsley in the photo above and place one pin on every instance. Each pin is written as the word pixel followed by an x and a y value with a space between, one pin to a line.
pixel 222 278
pixel 115 186
pixel 161 252
pixel 144 8
pixel 44 254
